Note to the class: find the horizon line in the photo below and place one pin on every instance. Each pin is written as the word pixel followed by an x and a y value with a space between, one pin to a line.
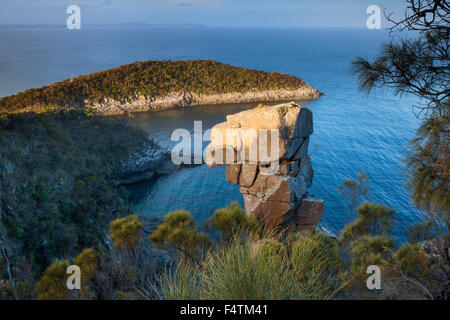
pixel 169 25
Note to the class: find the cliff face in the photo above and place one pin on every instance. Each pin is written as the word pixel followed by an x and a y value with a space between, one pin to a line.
pixel 266 153
pixel 185 99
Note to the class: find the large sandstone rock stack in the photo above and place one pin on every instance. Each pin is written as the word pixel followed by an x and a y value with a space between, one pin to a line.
pixel 266 152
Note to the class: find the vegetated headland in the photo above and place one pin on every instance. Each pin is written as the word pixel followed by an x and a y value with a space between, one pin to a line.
pixel 157 85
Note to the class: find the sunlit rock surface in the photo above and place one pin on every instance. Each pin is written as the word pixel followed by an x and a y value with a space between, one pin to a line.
pixel 266 153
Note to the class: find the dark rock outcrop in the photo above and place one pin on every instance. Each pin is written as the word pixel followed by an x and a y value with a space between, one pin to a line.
pixel 152 161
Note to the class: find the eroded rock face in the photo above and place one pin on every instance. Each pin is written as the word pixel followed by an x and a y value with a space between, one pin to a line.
pixel 183 99
pixel 275 182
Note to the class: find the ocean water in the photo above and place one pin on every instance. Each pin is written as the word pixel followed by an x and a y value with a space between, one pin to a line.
pixel 352 132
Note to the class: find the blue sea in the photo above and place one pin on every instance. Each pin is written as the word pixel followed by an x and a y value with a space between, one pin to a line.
pixel 352 132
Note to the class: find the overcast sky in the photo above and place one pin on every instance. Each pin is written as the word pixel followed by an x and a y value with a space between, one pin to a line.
pixel 239 13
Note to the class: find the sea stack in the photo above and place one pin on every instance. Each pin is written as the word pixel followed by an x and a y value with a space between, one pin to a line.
pixel 265 151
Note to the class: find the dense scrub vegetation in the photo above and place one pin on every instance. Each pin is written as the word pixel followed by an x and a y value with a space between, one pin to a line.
pixel 57 194
pixel 150 79
pixel 256 265
pixel 245 262
pixel 238 260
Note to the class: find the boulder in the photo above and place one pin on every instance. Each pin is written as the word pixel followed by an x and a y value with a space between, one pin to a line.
pixel 248 175
pixel 310 211
pixel 232 173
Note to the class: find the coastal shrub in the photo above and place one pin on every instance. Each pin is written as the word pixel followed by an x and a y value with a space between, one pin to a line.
pixel 52 285
pixel 412 260
pixel 126 231
pixel 88 261
pixel 422 231
pixel 178 231
pixel 125 269
pixel 428 164
pixel 367 240
pixel 428 172
pixel 53 282
pixel 230 220
pixel 373 220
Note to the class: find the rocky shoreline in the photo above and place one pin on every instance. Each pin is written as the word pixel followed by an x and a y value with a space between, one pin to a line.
pixel 152 162
pixel 112 107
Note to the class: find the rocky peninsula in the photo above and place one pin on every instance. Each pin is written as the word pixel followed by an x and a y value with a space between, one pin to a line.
pixel 157 85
